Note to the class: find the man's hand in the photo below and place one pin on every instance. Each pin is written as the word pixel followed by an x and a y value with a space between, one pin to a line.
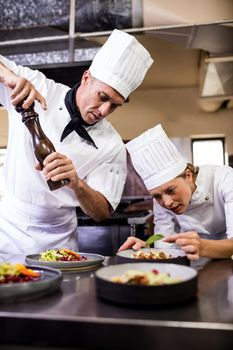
pixel 21 88
pixel 24 89
pixel 57 166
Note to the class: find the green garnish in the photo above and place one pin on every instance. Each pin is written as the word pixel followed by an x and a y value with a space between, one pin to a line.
pixel 49 255
pixel 153 238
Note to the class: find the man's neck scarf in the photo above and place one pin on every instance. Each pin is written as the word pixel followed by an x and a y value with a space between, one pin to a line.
pixel 77 123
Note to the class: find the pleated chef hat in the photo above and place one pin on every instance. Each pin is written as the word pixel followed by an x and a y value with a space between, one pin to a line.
pixel 122 63
pixel 155 157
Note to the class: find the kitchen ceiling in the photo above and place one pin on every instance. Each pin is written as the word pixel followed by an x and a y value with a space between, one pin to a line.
pixel 59 36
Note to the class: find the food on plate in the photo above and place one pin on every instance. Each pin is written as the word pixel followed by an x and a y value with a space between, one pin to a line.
pixel 151 254
pixel 150 278
pixel 61 255
pixel 12 273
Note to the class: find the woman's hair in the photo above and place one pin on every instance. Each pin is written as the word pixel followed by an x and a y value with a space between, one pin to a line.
pixel 192 168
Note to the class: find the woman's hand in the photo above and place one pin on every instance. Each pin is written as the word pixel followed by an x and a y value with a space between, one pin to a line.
pixel 132 242
pixel 189 242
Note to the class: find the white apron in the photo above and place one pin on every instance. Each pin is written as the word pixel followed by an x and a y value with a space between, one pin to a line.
pixel 31 229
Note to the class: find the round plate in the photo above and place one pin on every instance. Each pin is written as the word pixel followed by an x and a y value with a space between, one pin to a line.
pixel 146 295
pixel 93 260
pixel 48 282
pixel 178 256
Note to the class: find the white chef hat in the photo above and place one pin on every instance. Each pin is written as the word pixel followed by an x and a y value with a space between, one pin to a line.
pixel 155 157
pixel 122 63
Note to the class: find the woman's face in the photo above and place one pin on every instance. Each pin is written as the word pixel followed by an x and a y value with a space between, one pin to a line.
pixel 176 194
pixel 96 100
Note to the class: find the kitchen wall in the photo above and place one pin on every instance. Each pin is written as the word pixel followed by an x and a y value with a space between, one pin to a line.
pixel 177 110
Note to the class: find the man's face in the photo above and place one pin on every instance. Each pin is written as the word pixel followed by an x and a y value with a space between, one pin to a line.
pixel 96 100
pixel 175 195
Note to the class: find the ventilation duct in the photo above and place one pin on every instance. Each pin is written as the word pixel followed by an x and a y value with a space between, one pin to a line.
pixel 48 27
pixel 41 34
pixel 65 35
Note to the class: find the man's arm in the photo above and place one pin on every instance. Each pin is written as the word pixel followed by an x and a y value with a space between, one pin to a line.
pixel 57 166
pixel 92 202
pixel 21 88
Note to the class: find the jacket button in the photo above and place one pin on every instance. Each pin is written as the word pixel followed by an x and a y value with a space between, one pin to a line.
pixel 206 198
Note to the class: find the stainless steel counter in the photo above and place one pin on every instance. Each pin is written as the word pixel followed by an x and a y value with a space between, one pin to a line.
pixel 73 318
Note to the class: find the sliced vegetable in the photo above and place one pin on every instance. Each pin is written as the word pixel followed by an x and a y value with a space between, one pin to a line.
pixel 150 278
pixel 12 273
pixel 61 255
pixel 153 238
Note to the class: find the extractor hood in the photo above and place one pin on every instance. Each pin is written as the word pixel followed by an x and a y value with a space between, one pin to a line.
pixel 57 36
pixel 216 67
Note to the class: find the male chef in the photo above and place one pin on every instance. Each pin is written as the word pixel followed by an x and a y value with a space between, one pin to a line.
pixel 89 151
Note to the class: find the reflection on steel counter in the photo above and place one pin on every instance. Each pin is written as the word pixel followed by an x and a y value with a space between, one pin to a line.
pixel 132 217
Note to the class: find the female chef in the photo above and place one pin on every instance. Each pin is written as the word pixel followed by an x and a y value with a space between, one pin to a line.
pixel 90 153
pixel 193 206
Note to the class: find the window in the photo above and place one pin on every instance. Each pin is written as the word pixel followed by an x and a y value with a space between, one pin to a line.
pixel 209 150
pixel 2 159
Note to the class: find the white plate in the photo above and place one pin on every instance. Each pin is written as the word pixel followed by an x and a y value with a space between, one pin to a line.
pixel 93 260
pixel 137 294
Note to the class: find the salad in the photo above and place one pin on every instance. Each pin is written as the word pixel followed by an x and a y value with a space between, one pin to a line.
pixel 150 278
pixel 14 273
pixel 61 255
pixel 152 254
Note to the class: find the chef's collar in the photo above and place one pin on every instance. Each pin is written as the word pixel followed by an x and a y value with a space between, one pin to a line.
pixel 76 123
pixel 202 192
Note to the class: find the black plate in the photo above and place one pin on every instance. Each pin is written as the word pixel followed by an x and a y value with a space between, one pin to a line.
pixel 146 295
pixel 178 256
pixel 50 280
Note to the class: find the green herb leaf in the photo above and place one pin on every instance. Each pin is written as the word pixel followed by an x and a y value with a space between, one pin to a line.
pixel 153 238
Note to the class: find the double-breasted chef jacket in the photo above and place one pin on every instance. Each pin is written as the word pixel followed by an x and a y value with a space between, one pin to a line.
pixel 33 218
pixel 210 212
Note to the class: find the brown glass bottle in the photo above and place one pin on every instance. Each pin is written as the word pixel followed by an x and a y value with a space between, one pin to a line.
pixel 42 145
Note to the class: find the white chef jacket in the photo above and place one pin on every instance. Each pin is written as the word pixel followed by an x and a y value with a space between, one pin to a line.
pixel 33 218
pixel 210 212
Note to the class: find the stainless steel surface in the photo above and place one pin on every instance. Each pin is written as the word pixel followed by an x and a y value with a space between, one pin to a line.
pixel 102 239
pixel 139 220
pixel 108 32
pixel 74 317
pixel 106 237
